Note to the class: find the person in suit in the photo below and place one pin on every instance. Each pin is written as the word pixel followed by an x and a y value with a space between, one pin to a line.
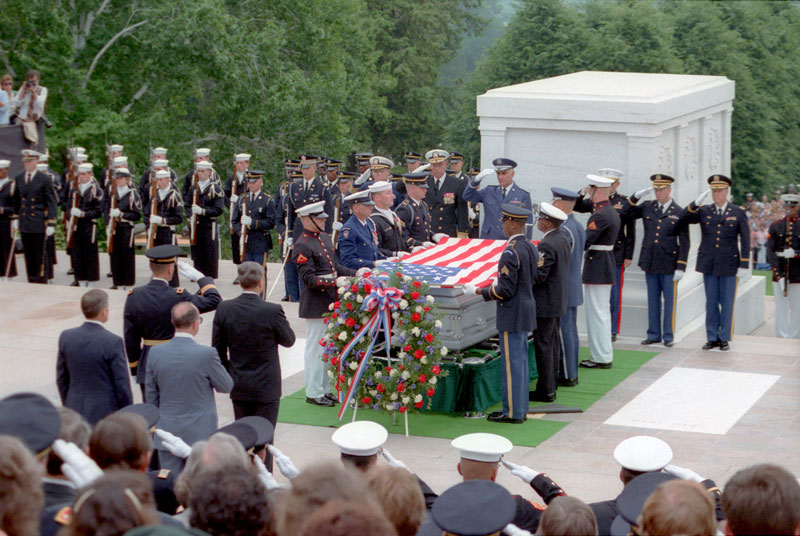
pixel 414 213
pixel 91 367
pixel 209 206
pixel 550 292
pixel 182 376
pixel 388 226
pixel 445 197
pixel 146 320
pixel 126 213
pixel 723 257
pixel 492 197
pixel 8 222
pixel 36 199
pixel 665 248
pixel 89 207
pixel 235 187
pixel 783 249
pixel 358 240
pixel 564 200
pixel 516 312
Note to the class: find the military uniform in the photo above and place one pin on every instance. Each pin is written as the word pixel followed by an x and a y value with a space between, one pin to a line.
pixel 235 185
pixel 358 244
pixel 447 206
pixel 123 257
pixel 8 214
pixel 146 179
pixel 168 207
pixel 36 199
pixel 389 228
pixel 782 253
pixel 87 262
pixel 416 222
pixel 261 209
pixel 205 253
pixel 491 198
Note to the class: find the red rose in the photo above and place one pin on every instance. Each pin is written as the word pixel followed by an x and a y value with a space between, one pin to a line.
pixel 416 284
pixel 398 274
pixel 402 409
pixel 415 317
pixel 349 306
pixel 401 387
pixel 436 369
pixel 325 320
pixel 334 361
pixel 334 315
pixel 422 378
pixel 388 370
pixel 419 354
pixel 337 304
pixel 342 379
pixel 426 308
pixel 414 295
pixel 418 404
pixel 322 342
pixel 366 400
pixel 429 337
pixel 401 367
pixel 354 288
pixel 430 391
pixel 381 388
pixel 367 288
pixel 407 348
pixel 350 322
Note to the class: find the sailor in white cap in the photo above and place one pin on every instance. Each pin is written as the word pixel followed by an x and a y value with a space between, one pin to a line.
pixel 599 271
pixel 445 197
pixel 162 214
pixel 783 253
pixel 202 154
pixel 86 207
pixel 203 205
pixel 158 160
pixel 359 443
pixel 124 209
pixel 235 186
pixel 388 225
pixel 37 216
pixel 8 222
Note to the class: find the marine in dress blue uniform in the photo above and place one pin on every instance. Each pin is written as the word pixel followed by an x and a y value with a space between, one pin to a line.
pixel 358 239
pixel 723 257
pixel 492 197
pixel 665 248
pixel 516 313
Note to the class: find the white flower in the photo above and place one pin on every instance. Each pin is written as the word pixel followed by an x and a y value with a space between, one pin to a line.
pixel 406 374
pixel 406 278
pixel 418 309
pixel 340 319
pixel 415 331
pixel 364 320
pixel 394 396
pixel 360 298
pixel 429 298
pixel 395 315
pixel 444 350
pixel 377 374
pixel 418 398
pixel 330 373
pixel 390 406
pixel 402 355
pixel 432 381
pixel 403 304
pixel 353 365
pixel 392 372
pixel 401 333
pixel 373 392
pixel 343 336
pixel 330 307
pixel 341 290
pixel 347 295
pixel 405 400
pixel 327 337
pixel 424 360
pixel 438 323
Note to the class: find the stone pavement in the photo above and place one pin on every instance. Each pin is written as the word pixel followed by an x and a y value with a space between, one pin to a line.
pixel 579 457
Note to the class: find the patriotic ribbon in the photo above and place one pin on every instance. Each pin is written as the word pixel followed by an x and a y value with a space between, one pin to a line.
pixel 381 301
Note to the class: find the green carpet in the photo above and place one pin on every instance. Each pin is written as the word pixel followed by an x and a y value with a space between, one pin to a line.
pixel 593 385
pixel 768 276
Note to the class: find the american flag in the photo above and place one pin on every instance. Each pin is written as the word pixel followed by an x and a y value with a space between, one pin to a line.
pixel 455 261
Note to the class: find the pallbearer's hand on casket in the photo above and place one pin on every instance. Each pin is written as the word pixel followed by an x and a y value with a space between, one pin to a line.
pixel 174 444
pixel 522 471
pixel 394 462
pixel 427 244
pixel 283 462
pixel 470 289
pixel 439 236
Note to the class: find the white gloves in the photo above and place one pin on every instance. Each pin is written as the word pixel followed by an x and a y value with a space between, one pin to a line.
pixel 283 462
pixel 471 214
pixel 197 209
pixel 337 226
pixel 641 193
pixel 781 284
pixel 439 236
pixel 189 272
pixel 678 275
pixel 158 220
pixel 246 220
pixel 787 253
pixel 683 473
pixel 234 198
pixel 362 271
pixel 115 213
pixel 174 444
pixel 50 231
pixel 470 289
pixel 483 174
pixel 78 467
pixel 427 244
pixel 522 471
pixel 289 242
pixel 742 273
pixel 702 197
pixel 422 168
pixel 263 474
pixel 74 211
pixel 417 248
pixel 513 530
pixel 400 254
pixel 394 462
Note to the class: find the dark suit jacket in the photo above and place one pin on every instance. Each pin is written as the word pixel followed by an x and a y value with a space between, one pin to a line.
pixel 720 253
pixel 37 202
pixel 447 206
pixel 550 285
pixel 92 371
pixel 246 334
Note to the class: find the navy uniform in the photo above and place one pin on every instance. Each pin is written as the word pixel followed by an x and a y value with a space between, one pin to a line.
pixel 235 187
pixel 50 241
pixel 8 215
pixel 317 267
pixel 90 207
pixel 358 241
pixel 516 316
pixel 388 226
pixel 211 200
pixel 783 253
pixel 599 274
pixel 720 259
pixel 550 293
pixel 260 208
pixel 188 178
pixel 665 249
pixel 123 257
pixel 148 309
pixel 415 215
pixel 494 196
pixel 158 158
pixel 445 199
pixel 168 206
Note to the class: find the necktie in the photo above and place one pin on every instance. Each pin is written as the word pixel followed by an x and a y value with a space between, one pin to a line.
pixel 719 212
pixel 439 185
pixel 505 193
pixel 27 178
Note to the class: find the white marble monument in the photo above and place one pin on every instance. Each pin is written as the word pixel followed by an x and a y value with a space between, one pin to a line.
pixel 559 129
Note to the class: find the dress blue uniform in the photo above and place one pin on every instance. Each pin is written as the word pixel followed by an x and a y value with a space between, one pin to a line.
pixel 260 207
pixel 492 197
pixel 236 181
pixel 358 244
pixel 36 198
pixel 290 278
pixel 302 193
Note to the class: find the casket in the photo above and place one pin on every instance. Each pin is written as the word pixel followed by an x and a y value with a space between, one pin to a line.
pixel 467 320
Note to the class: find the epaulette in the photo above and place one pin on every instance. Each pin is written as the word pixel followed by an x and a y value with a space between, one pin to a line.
pixel 163 474
pixel 63 516
pixel 179 290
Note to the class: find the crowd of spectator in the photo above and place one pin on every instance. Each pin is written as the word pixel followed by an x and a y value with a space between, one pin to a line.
pixel 27 104
pixel 761 213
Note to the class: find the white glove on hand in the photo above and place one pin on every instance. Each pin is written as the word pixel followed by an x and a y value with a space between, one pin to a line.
pixel 742 273
pixel 483 174
pixel 427 244
pixel 641 193
pixel 401 254
pixel 513 530
pixel 173 444
pixel 787 253
pixel 234 198
pixel 678 275
pixel 283 462
pixel 394 462
pixel 423 168
pixel 417 248
pixel 50 231
pixel 158 220
pixel 470 289
pixel 246 220
pixel 115 213
pixel 263 474
pixel 361 271
pixel 702 197
pixel 289 242
pixel 683 473
pixel 522 471
pixel 74 211
pixel 471 214
pixel 197 209
pixel 337 226
pixel 78 467
pixel 189 272
pixel 439 236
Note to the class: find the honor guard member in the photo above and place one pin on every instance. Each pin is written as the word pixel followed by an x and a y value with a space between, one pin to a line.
pixel 473 508
pixel 359 443
pixel 550 291
pixel 379 170
pixel 665 248
pixel 388 226
pixel 414 214
pixel 455 166
pixel 720 258
pixel 145 188
pixel 255 210
pixel 78 156
pixel 147 318
pixel 235 186
pixel 494 196
pixel 516 312
pixel 564 200
pixel 445 197
pixel 163 214
pixel 358 239
pixel 36 199
pixel 473 209
pixel 8 222
pixel 58 184
pixel 84 217
pixel 362 162
pixel 158 160
pixel 200 155
pixel 413 161
pixel 290 281
pixel 599 271
pixel 341 209
pixel 107 175
pixel 209 206
pixel 314 256
pixel 332 172
pixel 783 253
pixel 125 215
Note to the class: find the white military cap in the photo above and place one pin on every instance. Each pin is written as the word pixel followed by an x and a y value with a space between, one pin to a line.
pixel 161 163
pixel 360 438
pixel 434 156
pixel 122 173
pixel 380 162
pixel 114 148
pixel 362 197
pixel 162 174
pixel 599 182
pixel 610 173
pixel 120 161
pixel 241 157
pixel 5 164
pixel 81 157
pixel 205 165
pixel 643 453
pixel 549 211
pixel 482 447
pixel 791 199
pixel 41 167
pixel 203 151
pixel 379 186
pixel 30 154
pixel 76 150
pixel 312 209
pixel 43 157
pixel 159 151
pixel 86 167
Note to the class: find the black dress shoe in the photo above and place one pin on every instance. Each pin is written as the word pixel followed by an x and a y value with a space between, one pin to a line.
pixel 613 337
pixel 568 383
pixel 647 342
pixel 75 283
pixel 495 414
pixel 109 274
pixel 331 397
pixel 71 271
pixel 724 346
pixel 534 397
pixel 320 401
pixel 669 344
pixel 285 298
pixel 114 287
pixel 710 344
pixel 504 418
pixel 588 363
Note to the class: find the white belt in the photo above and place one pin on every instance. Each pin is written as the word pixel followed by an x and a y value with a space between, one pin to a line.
pixel 598 247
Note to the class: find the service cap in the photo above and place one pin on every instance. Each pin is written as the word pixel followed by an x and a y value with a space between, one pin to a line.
pixel 245 433
pixel 456 157
pixel 412 156
pixel 161 162
pixel 32 419
pixel 5 164
pixel 114 148
pixel 790 199
pixel 482 447
pixel 548 211
pixel 202 152
pixel 307 160
pixel 360 438
pixel 434 156
pixel 163 174
pixel 363 158
pixel 332 162
pixel 719 182
pixel 630 502
pixel 30 154
pixel 502 164
pixel 254 175
pixel 420 179
pixel 314 210
pixel 610 173
pixel 241 157
pixel 159 151
pixel 265 432
pixel 599 182
pixel 163 254
pixel 379 186
pixel 86 167
pixel 661 181
pixel 380 162
pixel 643 453
pixel 346 176
pixel 474 508
pixel 563 193
pixel 148 412
pixel 473 171
pixel 44 157
pixel 515 212
pixel 361 197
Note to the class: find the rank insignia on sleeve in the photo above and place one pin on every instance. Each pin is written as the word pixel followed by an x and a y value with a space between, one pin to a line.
pixel 163 474
pixel 504 270
pixel 592 226
pixel 301 259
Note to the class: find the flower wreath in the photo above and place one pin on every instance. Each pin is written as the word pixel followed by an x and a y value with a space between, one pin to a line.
pixel 408 375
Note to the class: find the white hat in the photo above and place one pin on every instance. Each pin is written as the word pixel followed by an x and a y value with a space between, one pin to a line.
pixel 202 152
pixel 162 174
pixel 77 149
pixel 160 163
pixel 362 197
pixel 610 173
pixel 241 157
pixel 205 165
pixel 43 157
pixel 122 173
pixel 160 151
pixel 312 209
pixel 360 438
pixel 120 161
pixel 643 453
pixel 41 167
pixel 86 167
pixel 790 198
pixel 599 182
pixel 482 447
pixel 551 212
pixel 30 154
pixel 4 164
pixel 436 155
pixel 114 149
pixel 380 162
pixel 379 186
pixel 81 157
